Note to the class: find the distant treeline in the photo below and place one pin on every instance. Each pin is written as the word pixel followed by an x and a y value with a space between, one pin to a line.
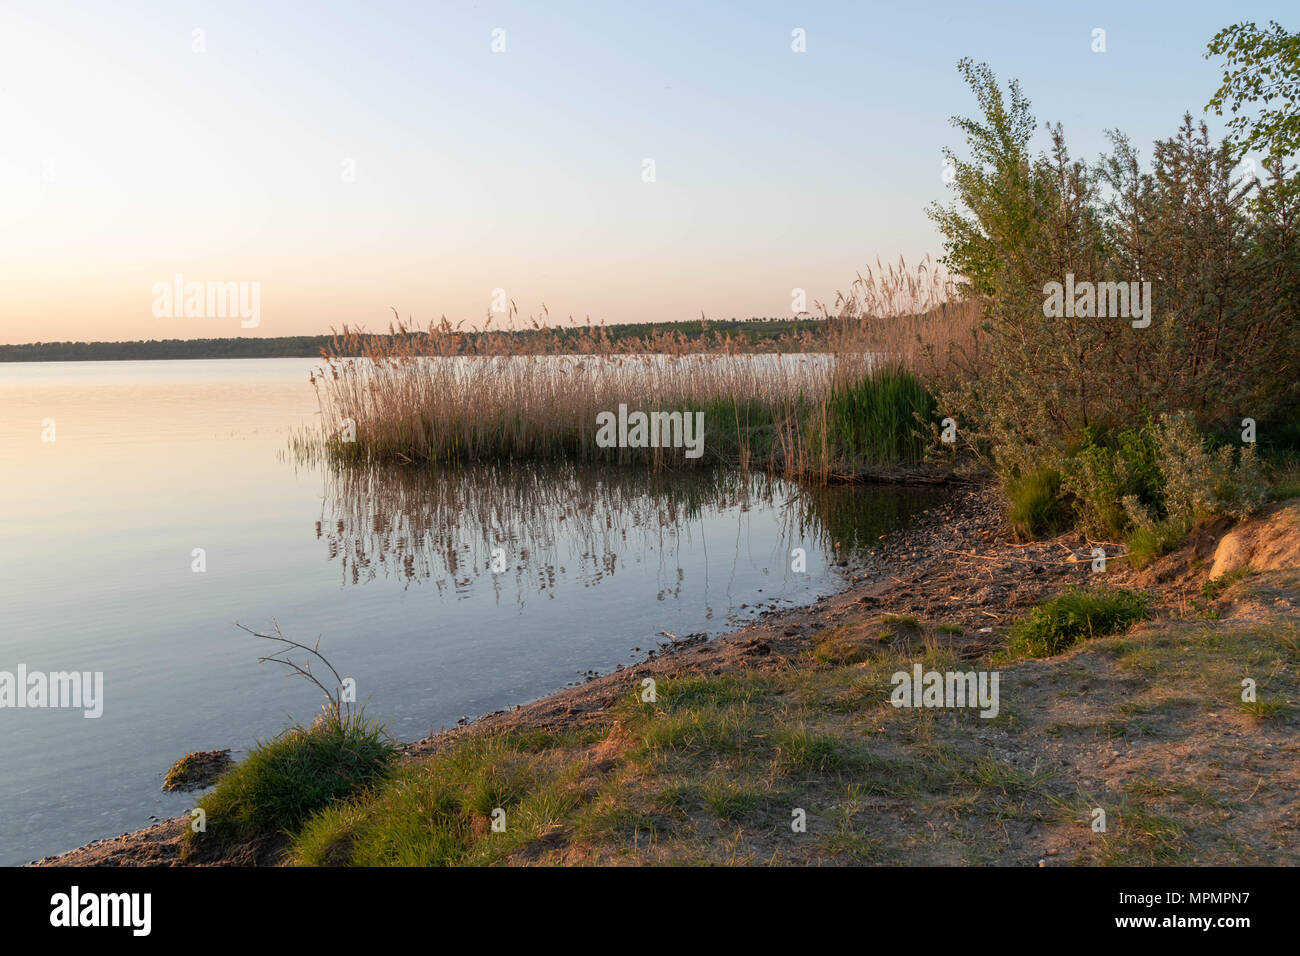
pixel 285 347
pixel 309 346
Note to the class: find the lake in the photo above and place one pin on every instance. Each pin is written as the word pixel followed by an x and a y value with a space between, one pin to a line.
pixel 147 506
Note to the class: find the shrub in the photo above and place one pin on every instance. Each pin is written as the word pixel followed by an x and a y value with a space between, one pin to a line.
pixel 1200 482
pixel 1075 615
pixel 1108 470
pixel 1150 485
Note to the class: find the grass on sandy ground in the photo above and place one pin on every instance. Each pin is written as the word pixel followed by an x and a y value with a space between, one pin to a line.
pixel 284 781
pixel 1076 615
pixel 1148 727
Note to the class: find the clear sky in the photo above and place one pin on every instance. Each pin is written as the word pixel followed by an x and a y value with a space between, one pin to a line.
pixel 128 156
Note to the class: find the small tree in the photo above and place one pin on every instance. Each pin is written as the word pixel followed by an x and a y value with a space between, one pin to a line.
pixel 1218 252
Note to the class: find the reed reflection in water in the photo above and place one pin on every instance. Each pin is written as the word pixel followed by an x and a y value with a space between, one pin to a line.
pixel 519 532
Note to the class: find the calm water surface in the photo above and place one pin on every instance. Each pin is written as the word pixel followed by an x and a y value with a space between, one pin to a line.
pixel 390 568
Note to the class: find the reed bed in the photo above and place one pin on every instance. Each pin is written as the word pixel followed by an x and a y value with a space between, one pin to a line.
pixel 853 396
pixel 916 317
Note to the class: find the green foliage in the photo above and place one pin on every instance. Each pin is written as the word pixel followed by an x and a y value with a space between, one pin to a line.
pixel 880 419
pixel 1112 468
pixel 1221 253
pixel 1148 541
pixel 1076 615
pixel 1201 482
pixel 285 780
pixel 994 184
pixel 1260 65
pixel 1150 485
pixel 1037 508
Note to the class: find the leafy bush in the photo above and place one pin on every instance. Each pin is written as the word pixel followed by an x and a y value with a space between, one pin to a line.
pixel 1149 486
pixel 1259 65
pixel 1075 615
pixel 1200 482
pixel 1108 470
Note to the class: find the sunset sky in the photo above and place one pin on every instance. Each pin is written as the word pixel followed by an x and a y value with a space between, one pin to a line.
pixel 128 156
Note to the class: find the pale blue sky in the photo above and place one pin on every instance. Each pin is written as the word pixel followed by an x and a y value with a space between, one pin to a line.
pixel 126 157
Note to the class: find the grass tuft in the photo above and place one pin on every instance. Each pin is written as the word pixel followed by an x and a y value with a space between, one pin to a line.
pixel 285 780
pixel 1076 615
pixel 1036 507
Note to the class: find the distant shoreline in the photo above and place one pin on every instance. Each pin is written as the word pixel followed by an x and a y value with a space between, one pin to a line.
pixel 750 331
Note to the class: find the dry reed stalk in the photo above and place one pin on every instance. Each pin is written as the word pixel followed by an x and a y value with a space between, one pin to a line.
pixel 444 395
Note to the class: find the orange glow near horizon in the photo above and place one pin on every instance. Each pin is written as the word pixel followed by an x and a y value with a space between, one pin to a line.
pixel 356 160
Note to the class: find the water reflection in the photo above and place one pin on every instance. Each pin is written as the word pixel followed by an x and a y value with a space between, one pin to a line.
pixel 523 530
